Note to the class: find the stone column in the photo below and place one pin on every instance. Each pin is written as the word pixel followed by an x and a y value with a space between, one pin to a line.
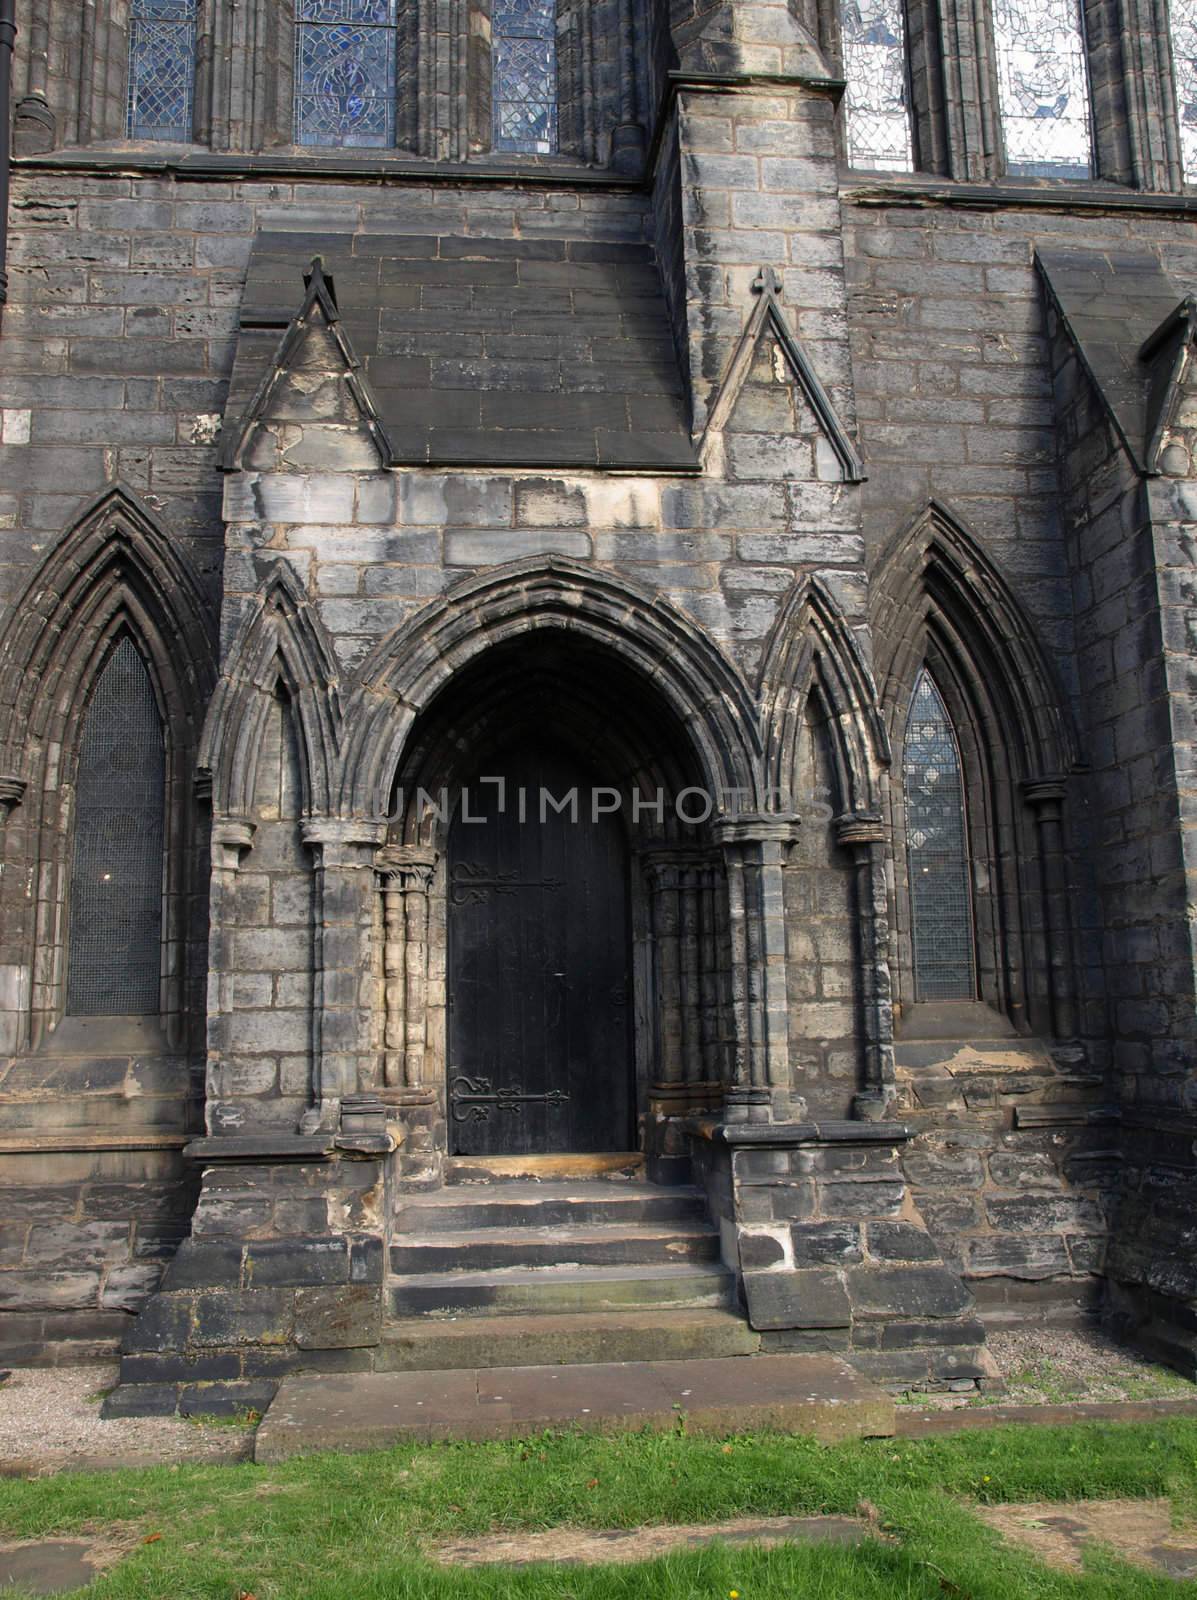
pixel 668 1093
pixel 710 995
pixel 232 837
pixel 405 874
pixel 1045 796
pixel 343 862
pixel 864 836
pixel 755 848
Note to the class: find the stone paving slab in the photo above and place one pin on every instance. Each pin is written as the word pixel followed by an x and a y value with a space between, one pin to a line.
pixel 572 1547
pixel 1061 1532
pixel 812 1394
pixel 48 1566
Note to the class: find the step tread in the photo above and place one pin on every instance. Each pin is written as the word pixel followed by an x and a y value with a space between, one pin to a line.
pixel 555 1233
pixel 565 1271
pixel 516 1327
pixel 531 1192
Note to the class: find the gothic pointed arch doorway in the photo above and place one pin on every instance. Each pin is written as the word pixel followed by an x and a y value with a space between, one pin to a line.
pixel 576 922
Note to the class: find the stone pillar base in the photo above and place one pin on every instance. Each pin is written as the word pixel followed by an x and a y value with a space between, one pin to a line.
pixel 832 1254
pixel 282 1273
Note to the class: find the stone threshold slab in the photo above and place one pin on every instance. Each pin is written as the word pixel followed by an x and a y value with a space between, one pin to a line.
pixel 812 1394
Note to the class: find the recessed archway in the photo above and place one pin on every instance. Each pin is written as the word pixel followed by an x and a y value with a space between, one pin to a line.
pixel 575 930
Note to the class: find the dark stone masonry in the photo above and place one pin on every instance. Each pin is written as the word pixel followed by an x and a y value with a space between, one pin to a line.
pixel 819 536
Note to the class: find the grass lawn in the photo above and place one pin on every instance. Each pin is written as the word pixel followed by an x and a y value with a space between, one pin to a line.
pixel 352 1527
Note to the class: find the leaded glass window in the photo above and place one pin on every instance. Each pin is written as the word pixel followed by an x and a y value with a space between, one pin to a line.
pixel 937 851
pixel 161 70
pixel 345 72
pixel 1043 88
pixel 876 104
pixel 114 954
pixel 524 75
pixel 1182 26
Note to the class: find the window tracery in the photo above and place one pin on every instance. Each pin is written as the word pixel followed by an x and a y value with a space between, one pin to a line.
pixel 345 73
pixel 1182 31
pixel 1043 88
pixel 524 75
pixel 873 34
pixel 115 947
pixel 937 850
pixel 162 40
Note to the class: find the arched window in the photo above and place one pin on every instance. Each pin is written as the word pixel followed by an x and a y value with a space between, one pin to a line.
pixel 524 75
pixel 345 68
pixel 1182 32
pixel 115 943
pixel 877 105
pixel 161 70
pixel 937 851
pixel 1043 88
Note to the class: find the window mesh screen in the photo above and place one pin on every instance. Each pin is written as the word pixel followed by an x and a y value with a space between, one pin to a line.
pixel 1182 23
pixel 161 70
pixel 937 851
pixel 525 75
pixel 116 880
pixel 876 108
pixel 345 73
pixel 1043 88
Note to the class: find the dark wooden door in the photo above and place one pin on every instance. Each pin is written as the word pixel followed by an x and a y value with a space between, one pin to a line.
pixel 538 976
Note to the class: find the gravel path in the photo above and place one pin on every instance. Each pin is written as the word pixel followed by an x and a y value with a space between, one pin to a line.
pixel 1054 1366
pixel 50 1419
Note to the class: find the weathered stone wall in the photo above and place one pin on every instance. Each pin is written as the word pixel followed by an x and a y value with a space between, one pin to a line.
pixel 833 1255
pixel 1130 544
pixel 1014 1169
pixel 283 1269
pixel 94 1193
pixel 927 324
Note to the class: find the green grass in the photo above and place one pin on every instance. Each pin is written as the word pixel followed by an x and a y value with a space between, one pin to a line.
pixel 351 1527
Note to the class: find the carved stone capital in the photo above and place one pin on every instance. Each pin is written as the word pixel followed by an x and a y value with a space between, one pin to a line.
pixel 405 867
pixel 859 828
pixel 12 792
pixel 758 827
pixel 231 838
pixel 1045 795
pixel 343 841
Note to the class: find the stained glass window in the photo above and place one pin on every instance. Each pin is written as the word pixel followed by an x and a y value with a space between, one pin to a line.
pixel 525 75
pixel 345 72
pixel 937 851
pixel 1182 25
pixel 114 955
pixel 1043 88
pixel 876 105
pixel 161 69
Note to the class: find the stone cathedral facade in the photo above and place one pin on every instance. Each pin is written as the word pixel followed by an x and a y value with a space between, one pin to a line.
pixel 597 667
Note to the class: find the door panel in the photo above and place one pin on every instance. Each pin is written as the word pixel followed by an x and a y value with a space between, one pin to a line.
pixel 539 988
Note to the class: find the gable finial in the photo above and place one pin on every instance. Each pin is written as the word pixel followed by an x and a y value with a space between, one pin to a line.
pixel 323 281
pixel 766 282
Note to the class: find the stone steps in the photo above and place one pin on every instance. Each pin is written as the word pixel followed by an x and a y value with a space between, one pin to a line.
pixel 559 1288
pixel 567 1339
pixel 546 1205
pixel 579 1247
pixel 501 1248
